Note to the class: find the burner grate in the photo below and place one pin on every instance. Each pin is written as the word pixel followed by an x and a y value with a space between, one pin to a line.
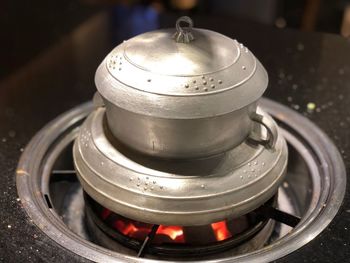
pixel 196 240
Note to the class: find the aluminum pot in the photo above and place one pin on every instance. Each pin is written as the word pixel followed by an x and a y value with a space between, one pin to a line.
pixel 185 95
pixel 176 191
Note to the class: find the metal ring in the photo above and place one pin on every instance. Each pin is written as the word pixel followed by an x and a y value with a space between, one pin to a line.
pixel 271 129
pixel 184 19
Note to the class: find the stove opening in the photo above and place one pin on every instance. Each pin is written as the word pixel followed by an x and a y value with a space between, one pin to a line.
pixel 218 231
pixel 174 241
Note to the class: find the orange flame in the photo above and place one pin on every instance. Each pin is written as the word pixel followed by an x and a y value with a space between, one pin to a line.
pixel 139 230
pixel 174 232
pixel 126 229
pixel 221 231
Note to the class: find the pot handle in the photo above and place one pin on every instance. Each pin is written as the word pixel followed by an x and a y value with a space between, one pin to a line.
pixel 183 34
pixel 270 127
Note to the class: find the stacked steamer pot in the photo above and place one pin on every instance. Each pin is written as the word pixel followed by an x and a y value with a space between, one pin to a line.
pixel 177 136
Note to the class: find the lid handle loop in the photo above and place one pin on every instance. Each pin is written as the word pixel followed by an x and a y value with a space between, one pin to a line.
pixel 184 34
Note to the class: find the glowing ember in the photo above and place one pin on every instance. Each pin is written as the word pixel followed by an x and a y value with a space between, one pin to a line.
pixel 221 231
pixel 174 232
pixel 140 231
pixel 128 229
pixel 164 234
pixel 105 213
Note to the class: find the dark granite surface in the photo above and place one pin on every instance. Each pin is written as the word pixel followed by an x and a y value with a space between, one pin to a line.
pixel 303 68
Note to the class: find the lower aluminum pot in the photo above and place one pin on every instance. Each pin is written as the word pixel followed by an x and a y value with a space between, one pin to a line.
pixel 177 192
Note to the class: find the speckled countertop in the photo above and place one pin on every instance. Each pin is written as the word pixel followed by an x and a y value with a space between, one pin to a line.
pixel 309 72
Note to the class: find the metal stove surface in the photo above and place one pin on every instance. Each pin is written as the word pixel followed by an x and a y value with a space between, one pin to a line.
pixel 303 68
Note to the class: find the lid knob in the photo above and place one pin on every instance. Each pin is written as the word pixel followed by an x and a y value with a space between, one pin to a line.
pixel 184 34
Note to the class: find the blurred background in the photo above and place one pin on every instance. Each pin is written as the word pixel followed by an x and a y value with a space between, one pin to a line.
pixel 29 28
pixel 50 50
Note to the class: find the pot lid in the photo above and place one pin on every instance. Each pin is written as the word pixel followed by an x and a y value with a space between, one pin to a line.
pixel 164 72
pixel 158 52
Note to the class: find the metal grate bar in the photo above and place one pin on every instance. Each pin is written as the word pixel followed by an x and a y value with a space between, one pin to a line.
pixel 148 240
pixel 278 215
